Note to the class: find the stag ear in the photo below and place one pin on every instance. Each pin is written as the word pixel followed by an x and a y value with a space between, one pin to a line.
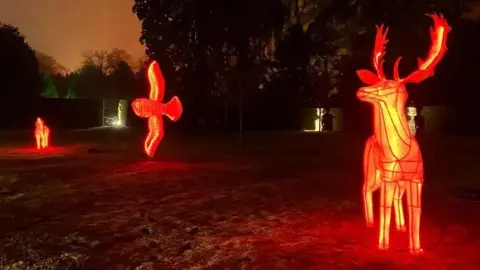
pixel 367 77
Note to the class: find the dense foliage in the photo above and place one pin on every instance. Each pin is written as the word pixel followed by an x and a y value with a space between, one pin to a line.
pixel 289 54
pixel 264 61
pixel 19 76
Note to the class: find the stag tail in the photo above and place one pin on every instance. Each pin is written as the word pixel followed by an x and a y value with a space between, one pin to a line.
pixel 438 34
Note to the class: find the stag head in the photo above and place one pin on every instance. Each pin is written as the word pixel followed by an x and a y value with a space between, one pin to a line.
pixel 381 89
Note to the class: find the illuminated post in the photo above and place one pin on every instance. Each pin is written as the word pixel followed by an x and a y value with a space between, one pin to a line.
pixel 153 108
pixel 392 158
pixel 122 113
pixel 412 113
pixel 318 126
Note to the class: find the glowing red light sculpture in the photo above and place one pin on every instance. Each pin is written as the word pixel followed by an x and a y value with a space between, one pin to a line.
pixel 42 133
pixel 153 108
pixel 392 159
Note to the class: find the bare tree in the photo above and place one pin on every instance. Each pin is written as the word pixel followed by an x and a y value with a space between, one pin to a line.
pixel 107 61
pixel 117 56
pixel 98 58
pixel 49 65
pixel 139 63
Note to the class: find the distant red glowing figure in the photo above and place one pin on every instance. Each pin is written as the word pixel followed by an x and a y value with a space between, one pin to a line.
pixel 392 159
pixel 153 108
pixel 42 133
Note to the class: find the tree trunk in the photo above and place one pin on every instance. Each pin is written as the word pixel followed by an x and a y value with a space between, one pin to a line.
pixel 242 65
pixel 103 112
pixel 225 111
pixel 240 115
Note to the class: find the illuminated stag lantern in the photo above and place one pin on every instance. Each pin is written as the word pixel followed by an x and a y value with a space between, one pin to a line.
pixel 153 108
pixel 392 158
pixel 42 134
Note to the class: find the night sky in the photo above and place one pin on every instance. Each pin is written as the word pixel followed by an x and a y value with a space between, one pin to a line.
pixel 65 29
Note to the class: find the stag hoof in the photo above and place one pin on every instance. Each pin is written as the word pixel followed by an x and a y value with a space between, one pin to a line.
pixel 402 228
pixel 369 224
pixel 383 247
pixel 416 252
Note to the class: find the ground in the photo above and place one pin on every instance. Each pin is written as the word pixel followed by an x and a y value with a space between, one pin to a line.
pixel 283 201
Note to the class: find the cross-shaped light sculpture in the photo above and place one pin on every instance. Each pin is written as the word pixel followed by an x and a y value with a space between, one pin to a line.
pixel 153 108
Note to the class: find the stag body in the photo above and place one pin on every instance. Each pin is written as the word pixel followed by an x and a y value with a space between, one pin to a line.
pixel 42 134
pixel 392 158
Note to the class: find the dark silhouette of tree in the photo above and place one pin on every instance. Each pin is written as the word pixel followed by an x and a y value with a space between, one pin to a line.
pixel 123 82
pixel 71 93
pixel 293 51
pixel 49 65
pixel 50 90
pixel 288 52
pixel 116 57
pixel 195 42
pixel 407 39
pixel 19 76
pixel 106 75
pixel 53 75
pixel 181 35
pixel 91 82
pixel 65 84
pixel 98 59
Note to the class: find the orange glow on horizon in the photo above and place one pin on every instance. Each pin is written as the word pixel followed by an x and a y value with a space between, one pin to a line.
pixel 393 161
pixel 153 109
pixel 67 29
pixel 42 134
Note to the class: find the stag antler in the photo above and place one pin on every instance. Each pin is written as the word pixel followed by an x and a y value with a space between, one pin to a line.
pixel 438 34
pixel 379 50
pixel 381 41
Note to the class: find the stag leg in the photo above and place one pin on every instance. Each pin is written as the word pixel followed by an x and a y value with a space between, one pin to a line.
pixel 397 205
pixel 46 137
pixel 387 190
pixel 371 181
pixel 38 138
pixel 414 200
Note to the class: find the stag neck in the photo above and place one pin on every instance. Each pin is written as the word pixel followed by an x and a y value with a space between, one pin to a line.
pixel 391 128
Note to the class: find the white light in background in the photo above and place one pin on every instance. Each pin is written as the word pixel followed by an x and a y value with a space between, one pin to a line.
pixel 318 121
pixel 113 122
pixel 411 114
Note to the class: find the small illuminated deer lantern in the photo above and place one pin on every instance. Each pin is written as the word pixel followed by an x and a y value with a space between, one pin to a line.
pixel 153 108
pixel 42 134
pixel 392 158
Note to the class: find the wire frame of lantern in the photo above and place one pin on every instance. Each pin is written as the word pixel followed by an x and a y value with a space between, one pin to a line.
pixel 392 159
pixel 41 133
pixel 153 109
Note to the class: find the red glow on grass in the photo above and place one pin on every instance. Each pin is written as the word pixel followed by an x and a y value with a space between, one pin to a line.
pixel 392 159
pixel 153 109
pixel 33 153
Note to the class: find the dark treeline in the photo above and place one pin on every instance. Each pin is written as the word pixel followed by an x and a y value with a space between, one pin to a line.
pixel 263 61
pixel 102 75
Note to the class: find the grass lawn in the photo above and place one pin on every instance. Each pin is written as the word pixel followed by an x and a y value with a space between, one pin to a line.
pixel 284 201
